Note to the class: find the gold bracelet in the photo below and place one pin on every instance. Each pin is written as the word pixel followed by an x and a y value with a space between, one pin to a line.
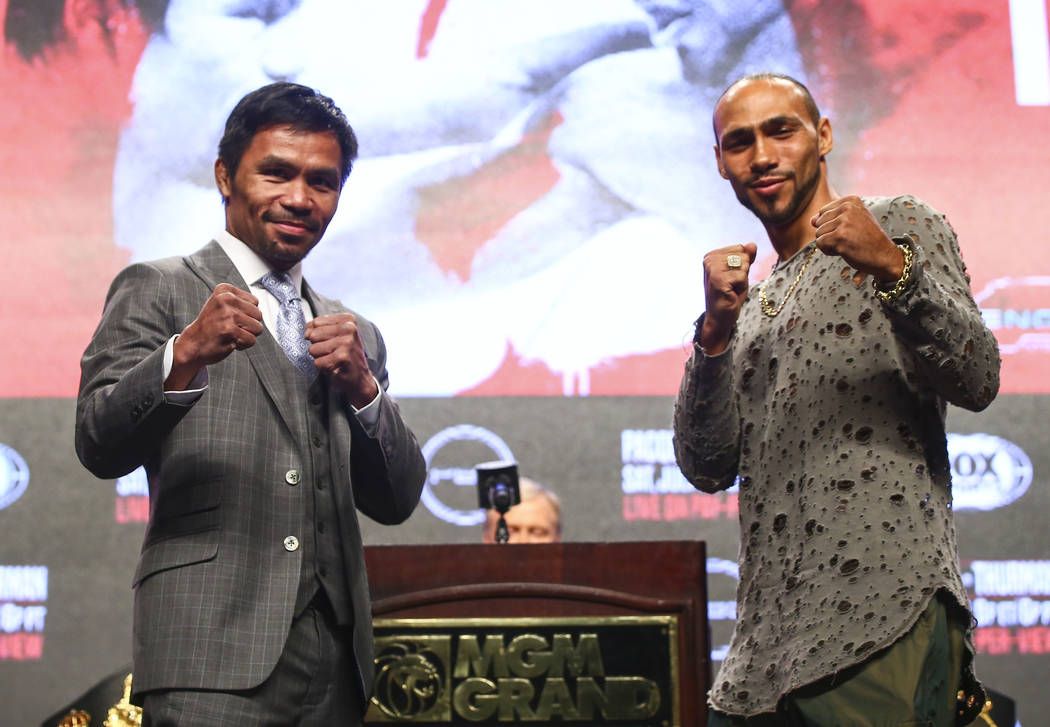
pixel 888 296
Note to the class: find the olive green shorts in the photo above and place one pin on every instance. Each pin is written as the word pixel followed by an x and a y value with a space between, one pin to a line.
pixel 913 682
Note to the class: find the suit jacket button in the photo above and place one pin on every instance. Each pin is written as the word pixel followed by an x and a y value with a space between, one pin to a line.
pixel 292 477
pixel 148 401
pixel 291 543
pixel 136 413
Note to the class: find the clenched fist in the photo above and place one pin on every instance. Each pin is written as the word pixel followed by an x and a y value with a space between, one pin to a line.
pixel 725 290
pixel 847 229
pixel 230 320
pixel 338 352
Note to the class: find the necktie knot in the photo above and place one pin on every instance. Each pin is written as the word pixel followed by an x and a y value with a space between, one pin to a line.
pixel 280 286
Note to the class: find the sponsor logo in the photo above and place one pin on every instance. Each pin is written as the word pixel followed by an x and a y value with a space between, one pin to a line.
pixel 1017 311
pixel 450 491
pixel 413 678
pixel 14 476
pixel 591 670
pixel 132 504
pixel 988 472
pixel 23 611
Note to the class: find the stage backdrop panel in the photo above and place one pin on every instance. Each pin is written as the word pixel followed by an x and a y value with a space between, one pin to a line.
pixel 71 541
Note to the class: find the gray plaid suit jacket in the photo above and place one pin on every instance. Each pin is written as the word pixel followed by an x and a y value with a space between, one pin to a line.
pixel 215 587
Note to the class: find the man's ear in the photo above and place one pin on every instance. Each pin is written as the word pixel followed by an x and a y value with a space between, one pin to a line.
pixel 825 140
pixel 222 179
pixel 718 159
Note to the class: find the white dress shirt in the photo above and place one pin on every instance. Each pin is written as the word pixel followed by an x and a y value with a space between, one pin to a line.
pixel 253 268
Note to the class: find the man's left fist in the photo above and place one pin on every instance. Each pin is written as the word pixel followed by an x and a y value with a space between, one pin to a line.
pixel 338 352
pixel 846 228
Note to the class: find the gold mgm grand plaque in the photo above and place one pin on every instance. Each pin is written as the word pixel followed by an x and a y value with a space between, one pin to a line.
pixel 611 670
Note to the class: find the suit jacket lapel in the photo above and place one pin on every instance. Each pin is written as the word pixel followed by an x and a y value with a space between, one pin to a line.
pixel 267 357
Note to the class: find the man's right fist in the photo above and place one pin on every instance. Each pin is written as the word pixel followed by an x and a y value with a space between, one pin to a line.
pixel 230 320
pixel 725 289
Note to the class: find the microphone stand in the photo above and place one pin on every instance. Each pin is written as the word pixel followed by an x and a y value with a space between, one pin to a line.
pixel 501 499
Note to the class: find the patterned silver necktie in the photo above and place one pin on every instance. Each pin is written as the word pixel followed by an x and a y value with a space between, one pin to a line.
pixel 291 323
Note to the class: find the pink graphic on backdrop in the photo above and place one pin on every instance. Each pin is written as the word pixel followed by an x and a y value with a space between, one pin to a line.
pixel 64 111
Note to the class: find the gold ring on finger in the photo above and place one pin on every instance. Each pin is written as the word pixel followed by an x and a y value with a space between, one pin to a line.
pixel 734 262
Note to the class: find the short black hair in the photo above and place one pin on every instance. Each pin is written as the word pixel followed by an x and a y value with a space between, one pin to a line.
pixel 807 97
pixel 284 104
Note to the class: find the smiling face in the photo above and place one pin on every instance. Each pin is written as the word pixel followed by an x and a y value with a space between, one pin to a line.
pixel 771 150
pixel 284 192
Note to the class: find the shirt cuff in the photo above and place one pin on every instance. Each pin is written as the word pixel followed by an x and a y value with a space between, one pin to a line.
pixel 368 415
pixel 198 384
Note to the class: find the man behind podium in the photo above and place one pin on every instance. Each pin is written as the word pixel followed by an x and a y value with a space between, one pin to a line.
pixel 536 519
pixel 258 408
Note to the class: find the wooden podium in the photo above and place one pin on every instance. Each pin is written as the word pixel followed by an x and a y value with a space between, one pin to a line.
pixel 566 633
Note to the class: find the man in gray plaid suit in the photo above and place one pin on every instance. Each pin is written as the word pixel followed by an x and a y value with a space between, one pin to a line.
pixel 259 410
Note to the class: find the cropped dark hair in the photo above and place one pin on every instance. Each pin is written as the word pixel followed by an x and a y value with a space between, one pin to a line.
pixel 284 104
pixel 807 97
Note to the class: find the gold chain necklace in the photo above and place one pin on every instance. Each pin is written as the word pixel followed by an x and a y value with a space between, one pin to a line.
pixel 767 307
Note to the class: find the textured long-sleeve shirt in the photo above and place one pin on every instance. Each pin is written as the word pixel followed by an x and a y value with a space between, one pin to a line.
pixel 830 416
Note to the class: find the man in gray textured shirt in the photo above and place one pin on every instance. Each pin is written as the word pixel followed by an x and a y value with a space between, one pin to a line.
pixel 822 392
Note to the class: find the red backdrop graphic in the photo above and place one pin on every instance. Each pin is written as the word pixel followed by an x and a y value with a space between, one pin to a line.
pixel 926 92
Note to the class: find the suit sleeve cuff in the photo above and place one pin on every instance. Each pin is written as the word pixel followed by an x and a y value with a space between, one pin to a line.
pixel 198 385
pixel 368 415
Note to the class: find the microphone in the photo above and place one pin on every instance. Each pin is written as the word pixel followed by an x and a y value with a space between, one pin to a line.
pixel 498 490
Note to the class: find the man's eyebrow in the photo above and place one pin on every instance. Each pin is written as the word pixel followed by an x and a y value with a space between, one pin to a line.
pixel 745 132
pixel 273 160
pixel 739 134
pixel 782 120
